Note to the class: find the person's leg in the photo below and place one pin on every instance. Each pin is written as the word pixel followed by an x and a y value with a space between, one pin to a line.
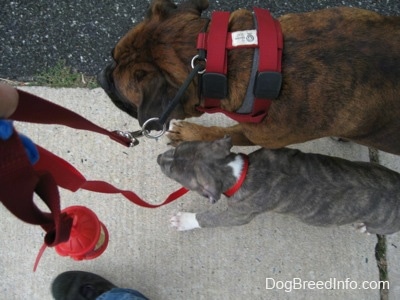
pixel 121 294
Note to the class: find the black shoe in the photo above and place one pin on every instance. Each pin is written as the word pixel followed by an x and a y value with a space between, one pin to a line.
pixel 79 285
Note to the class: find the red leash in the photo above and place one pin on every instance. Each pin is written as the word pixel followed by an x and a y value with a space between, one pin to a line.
pixel 67 177
pixel 19 180
pixel 34 109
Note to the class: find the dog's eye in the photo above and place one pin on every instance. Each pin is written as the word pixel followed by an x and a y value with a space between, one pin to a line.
pixel 139 75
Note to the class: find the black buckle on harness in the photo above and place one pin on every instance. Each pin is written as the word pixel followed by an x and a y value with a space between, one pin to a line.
pixel 214 85
pixel 267 85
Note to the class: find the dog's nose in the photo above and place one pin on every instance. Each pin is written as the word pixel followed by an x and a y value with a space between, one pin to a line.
pixel 102 79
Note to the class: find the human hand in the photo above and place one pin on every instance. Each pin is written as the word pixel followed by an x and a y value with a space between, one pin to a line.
pixel 8 100
pixel 8 105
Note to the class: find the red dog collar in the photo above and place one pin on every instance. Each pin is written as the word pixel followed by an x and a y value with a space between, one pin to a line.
pixel 267 76
pixel 230 192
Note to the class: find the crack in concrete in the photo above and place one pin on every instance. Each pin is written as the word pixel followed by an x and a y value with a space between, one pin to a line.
pixel 381 246
pixel 381 262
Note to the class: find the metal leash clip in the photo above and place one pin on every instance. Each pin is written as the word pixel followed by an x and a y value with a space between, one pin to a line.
pixel 134 135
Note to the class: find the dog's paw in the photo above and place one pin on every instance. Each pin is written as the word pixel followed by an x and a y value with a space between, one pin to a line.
pixel 361 227
pixel 180 131
pixel 184 221
pixel 339 139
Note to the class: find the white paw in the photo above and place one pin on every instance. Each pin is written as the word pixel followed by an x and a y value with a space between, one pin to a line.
pixel 173 136
pixel 173 124
pixel 164 139
pixel 184 221
pixel 360 227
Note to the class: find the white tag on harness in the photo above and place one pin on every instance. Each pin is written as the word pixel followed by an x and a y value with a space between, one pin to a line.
pixel 244 38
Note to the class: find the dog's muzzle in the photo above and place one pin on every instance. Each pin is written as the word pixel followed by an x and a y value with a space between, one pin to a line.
pixel 104 78
pixel 106 81
pixel 165 161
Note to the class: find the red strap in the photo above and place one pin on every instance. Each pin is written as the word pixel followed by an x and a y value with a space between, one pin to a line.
pixel 203 40
pixel 70 178
pixel 18 183
pixel 267 41
pixel 241 179
pixel 216 56
pixel 270 43
pixel 34 109
pixel 20 180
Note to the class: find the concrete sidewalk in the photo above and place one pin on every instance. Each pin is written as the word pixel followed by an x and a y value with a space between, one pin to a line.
pixel 146 254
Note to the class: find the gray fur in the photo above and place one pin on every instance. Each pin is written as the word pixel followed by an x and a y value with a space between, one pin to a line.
pixel 318 189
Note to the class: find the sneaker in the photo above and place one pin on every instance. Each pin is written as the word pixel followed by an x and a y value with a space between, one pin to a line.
pixel 79 285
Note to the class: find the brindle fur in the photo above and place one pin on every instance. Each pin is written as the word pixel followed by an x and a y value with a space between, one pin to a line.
pixel 341 71
pixel 318 189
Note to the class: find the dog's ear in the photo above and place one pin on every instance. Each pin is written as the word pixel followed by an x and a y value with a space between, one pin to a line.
pixel 207 185
pixel 222 146
pixel 160 9
pixel 198 5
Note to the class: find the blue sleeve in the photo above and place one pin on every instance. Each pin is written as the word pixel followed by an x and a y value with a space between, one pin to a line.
pixel 6 130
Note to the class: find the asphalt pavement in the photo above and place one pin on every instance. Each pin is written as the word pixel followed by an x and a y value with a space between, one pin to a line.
pixel 36 35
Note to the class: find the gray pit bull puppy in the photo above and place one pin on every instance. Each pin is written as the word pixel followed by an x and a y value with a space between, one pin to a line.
pixel 320 190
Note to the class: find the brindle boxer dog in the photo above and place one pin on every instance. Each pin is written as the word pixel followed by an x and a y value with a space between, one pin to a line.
pixel 341 76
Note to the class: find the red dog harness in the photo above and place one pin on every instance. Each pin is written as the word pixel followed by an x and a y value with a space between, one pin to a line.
pixel 266 77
